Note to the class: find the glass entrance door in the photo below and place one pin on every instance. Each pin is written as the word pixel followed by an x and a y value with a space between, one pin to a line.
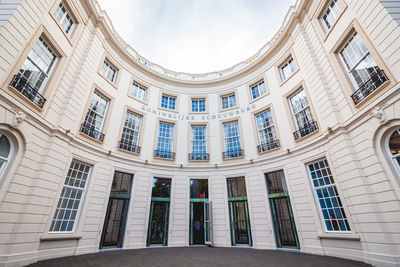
pixel 117 210
pixel 285 228
pixel 159 212
pixel 208 230
pixel 238 212
pixel 199 215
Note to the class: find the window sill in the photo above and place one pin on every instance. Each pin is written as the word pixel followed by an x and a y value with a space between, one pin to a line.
pixel 306 136
pixel 128 152
pixel 258 98
pixel 89 138
pixel 351 237
pixel 108 81
pixel 268 151
pixel 138 99
pixel 24 99
pixel 288 78
pixel 59 237
pixel 228 109
pixel 169 110
pixel 369 97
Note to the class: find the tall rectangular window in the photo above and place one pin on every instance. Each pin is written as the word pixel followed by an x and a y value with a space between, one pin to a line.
pixel 165 144
pixel 287 68
pixel 168 102
pixel 138 91
pixel 35 72
pixel 198 105
pixel 198 141
pixel 228 101
pixel 266 131
pixel 71 198
pixel 109 71
pixel 302 115
pixel 63 15
pixel 327 196
pixel 95 117
pixel 233 149
pixel 361 68
pixel 258 90
pixel 131 132
pixel 330 15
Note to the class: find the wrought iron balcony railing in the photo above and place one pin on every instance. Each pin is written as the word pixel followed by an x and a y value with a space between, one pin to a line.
pixel 306 130
pixel 198 156
pixel 90 131
pixel 127 146
pixel 164 154
pixel 22 85
pixel 232 154
pixel 268 146
pixel 369 86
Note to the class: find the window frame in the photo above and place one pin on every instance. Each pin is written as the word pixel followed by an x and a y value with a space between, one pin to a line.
pixel 11 152
pixel 206 140
pixel 227 96
pixel 156 138
pixel 198 105
pixel 140 132
pixel 109 66
pixel 287 63
pixel 293 114
pixel 251 86
pixel 70 13
pixel 140 86
pixel 327 7
pixel 392 157
pixel 272 119
pixel 222 133
pixel 169 96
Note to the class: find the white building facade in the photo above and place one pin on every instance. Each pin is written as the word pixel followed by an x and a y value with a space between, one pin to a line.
pixel 297 147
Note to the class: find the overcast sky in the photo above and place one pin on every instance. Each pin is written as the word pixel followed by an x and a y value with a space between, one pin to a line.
pixel 196 36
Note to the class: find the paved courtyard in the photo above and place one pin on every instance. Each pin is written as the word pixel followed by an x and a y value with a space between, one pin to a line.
pixel 198 256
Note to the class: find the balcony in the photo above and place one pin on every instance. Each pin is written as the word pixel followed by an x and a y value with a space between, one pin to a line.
pixel 369 86
pixel 22 85
pixel 308 128
pixel 164 154
pixel 198 156
pixel 90 131
pixel 268 146
pixel 232 154
pixel 127 146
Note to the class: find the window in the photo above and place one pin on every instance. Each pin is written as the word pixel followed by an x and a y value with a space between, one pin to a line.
pixel 361 68
pixel 168 102
pixel 35 71
pixel 138 91
pixel 330 15
pixel 228 101
pixel 302 116
pixel 63 15
pixel 95 117
pixel 394 149
pixel 327 196
pixel 6 151
pixel 258 90
pixel 199 188
pixel 233 149
pixel 198 141
pixel 198 105
pixel 266 132
pixel 287 68
pixel 70 201
pixel 165 144
pixel 109 71
pixel 130 133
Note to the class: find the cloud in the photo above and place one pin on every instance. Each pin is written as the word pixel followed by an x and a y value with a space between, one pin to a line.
pixel 196 36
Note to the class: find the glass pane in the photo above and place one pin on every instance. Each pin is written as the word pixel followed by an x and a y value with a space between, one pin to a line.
pixel 121 183
pixel 5 146
pixel 158 222
pixel 161 187
pixel 236 187
pixel 276 182
pixel 240 222
pixel 394 143
pixel 198 188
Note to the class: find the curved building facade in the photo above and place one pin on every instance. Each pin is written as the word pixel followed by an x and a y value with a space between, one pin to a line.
pixel 296 148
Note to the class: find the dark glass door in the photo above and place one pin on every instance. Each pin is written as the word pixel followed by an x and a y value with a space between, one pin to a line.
pixel 117 211
pixel 197 223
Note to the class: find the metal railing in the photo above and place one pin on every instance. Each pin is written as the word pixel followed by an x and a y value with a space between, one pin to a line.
pixel 127 146
pixel 164 154
pixel 268 146
pixel 90 131
pixel 308 128
pixel 22 85
pixel 232 154
pixel 369 86
pixel 198 156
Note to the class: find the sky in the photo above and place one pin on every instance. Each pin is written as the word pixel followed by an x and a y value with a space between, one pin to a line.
pixel 196 36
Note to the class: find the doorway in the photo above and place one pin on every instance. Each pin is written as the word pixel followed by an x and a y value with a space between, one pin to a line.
pixel 159 212
pixel 117 211
pixel 238 212
pixel 285 228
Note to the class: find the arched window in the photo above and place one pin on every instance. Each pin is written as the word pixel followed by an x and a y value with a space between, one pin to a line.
pixel 394 149
pixel 5 153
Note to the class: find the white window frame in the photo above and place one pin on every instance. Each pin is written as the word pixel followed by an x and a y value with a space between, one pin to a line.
pixel 271 126
pixel 138 91
pixel 81 201
pixel 303 109
pixel 63 18
pixel 231 103
pixel 334 10
pixel 169 106
pixel 317 199
pixel 226 137
pixel 391 156
pixel 124 135
pixel 290 65
pixel 193 141
pixel 6 161
pixel 198 104
pixel 170 139
pixel 262 90
pixel 107 69
pixel 102 116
